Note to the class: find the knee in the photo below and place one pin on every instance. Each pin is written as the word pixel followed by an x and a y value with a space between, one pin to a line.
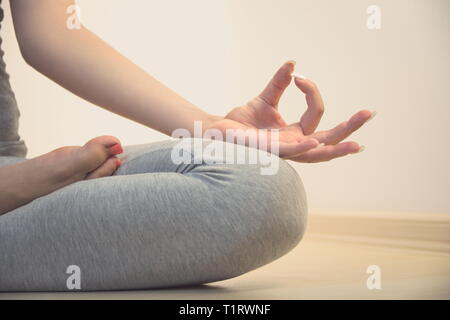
pixel 289 204
pixel 284 210
pixel 272 217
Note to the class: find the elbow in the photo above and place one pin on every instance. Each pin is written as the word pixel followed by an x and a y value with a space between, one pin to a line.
pixel 26 55
pixel 30 49
pixel 34 42
pixel 31 29
pixel 42 48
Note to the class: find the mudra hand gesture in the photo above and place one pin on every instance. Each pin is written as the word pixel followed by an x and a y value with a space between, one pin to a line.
pixel 298 141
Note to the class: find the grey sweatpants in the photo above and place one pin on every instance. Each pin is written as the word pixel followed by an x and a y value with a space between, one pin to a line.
pixel 153 224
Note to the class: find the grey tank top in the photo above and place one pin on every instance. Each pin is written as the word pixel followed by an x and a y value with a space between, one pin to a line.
pixel 10 143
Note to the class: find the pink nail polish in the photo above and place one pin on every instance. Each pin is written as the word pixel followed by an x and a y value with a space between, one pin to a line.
pixel 118 162
pixel 116 149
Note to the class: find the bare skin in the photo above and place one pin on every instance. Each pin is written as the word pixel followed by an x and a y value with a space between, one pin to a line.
pixel 25 181
pixel 298 141
pixel 84 64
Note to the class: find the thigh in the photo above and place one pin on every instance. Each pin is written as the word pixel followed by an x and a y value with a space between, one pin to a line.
pixel 173 225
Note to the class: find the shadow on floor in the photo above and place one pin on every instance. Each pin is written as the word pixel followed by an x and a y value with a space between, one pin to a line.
pixel 175 292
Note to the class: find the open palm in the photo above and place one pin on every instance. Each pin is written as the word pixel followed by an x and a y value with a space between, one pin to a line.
pixel 297 141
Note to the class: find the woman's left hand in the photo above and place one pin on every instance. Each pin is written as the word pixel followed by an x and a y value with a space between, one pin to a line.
pixel 297 141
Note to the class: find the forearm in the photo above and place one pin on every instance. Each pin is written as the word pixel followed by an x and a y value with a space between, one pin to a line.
pixel 84 64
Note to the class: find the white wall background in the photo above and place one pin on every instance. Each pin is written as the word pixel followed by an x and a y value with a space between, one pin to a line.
pixel 220 53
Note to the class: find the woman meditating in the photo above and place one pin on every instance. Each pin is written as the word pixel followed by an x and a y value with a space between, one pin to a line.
pixel 132 218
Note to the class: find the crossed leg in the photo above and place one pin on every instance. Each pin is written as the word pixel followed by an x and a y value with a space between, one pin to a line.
pixel 153 224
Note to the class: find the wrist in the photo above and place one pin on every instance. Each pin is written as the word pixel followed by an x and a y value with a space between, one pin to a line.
pixel 210 120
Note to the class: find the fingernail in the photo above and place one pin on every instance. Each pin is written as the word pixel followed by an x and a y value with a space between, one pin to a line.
pixel 374 113
pixel 293 62
pixel 116 149
pixel 299 76
pixel 361 149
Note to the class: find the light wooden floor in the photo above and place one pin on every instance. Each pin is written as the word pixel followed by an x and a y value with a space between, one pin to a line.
pixel 412 250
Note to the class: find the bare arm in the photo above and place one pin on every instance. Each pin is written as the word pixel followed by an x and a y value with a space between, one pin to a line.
pixel 84 64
